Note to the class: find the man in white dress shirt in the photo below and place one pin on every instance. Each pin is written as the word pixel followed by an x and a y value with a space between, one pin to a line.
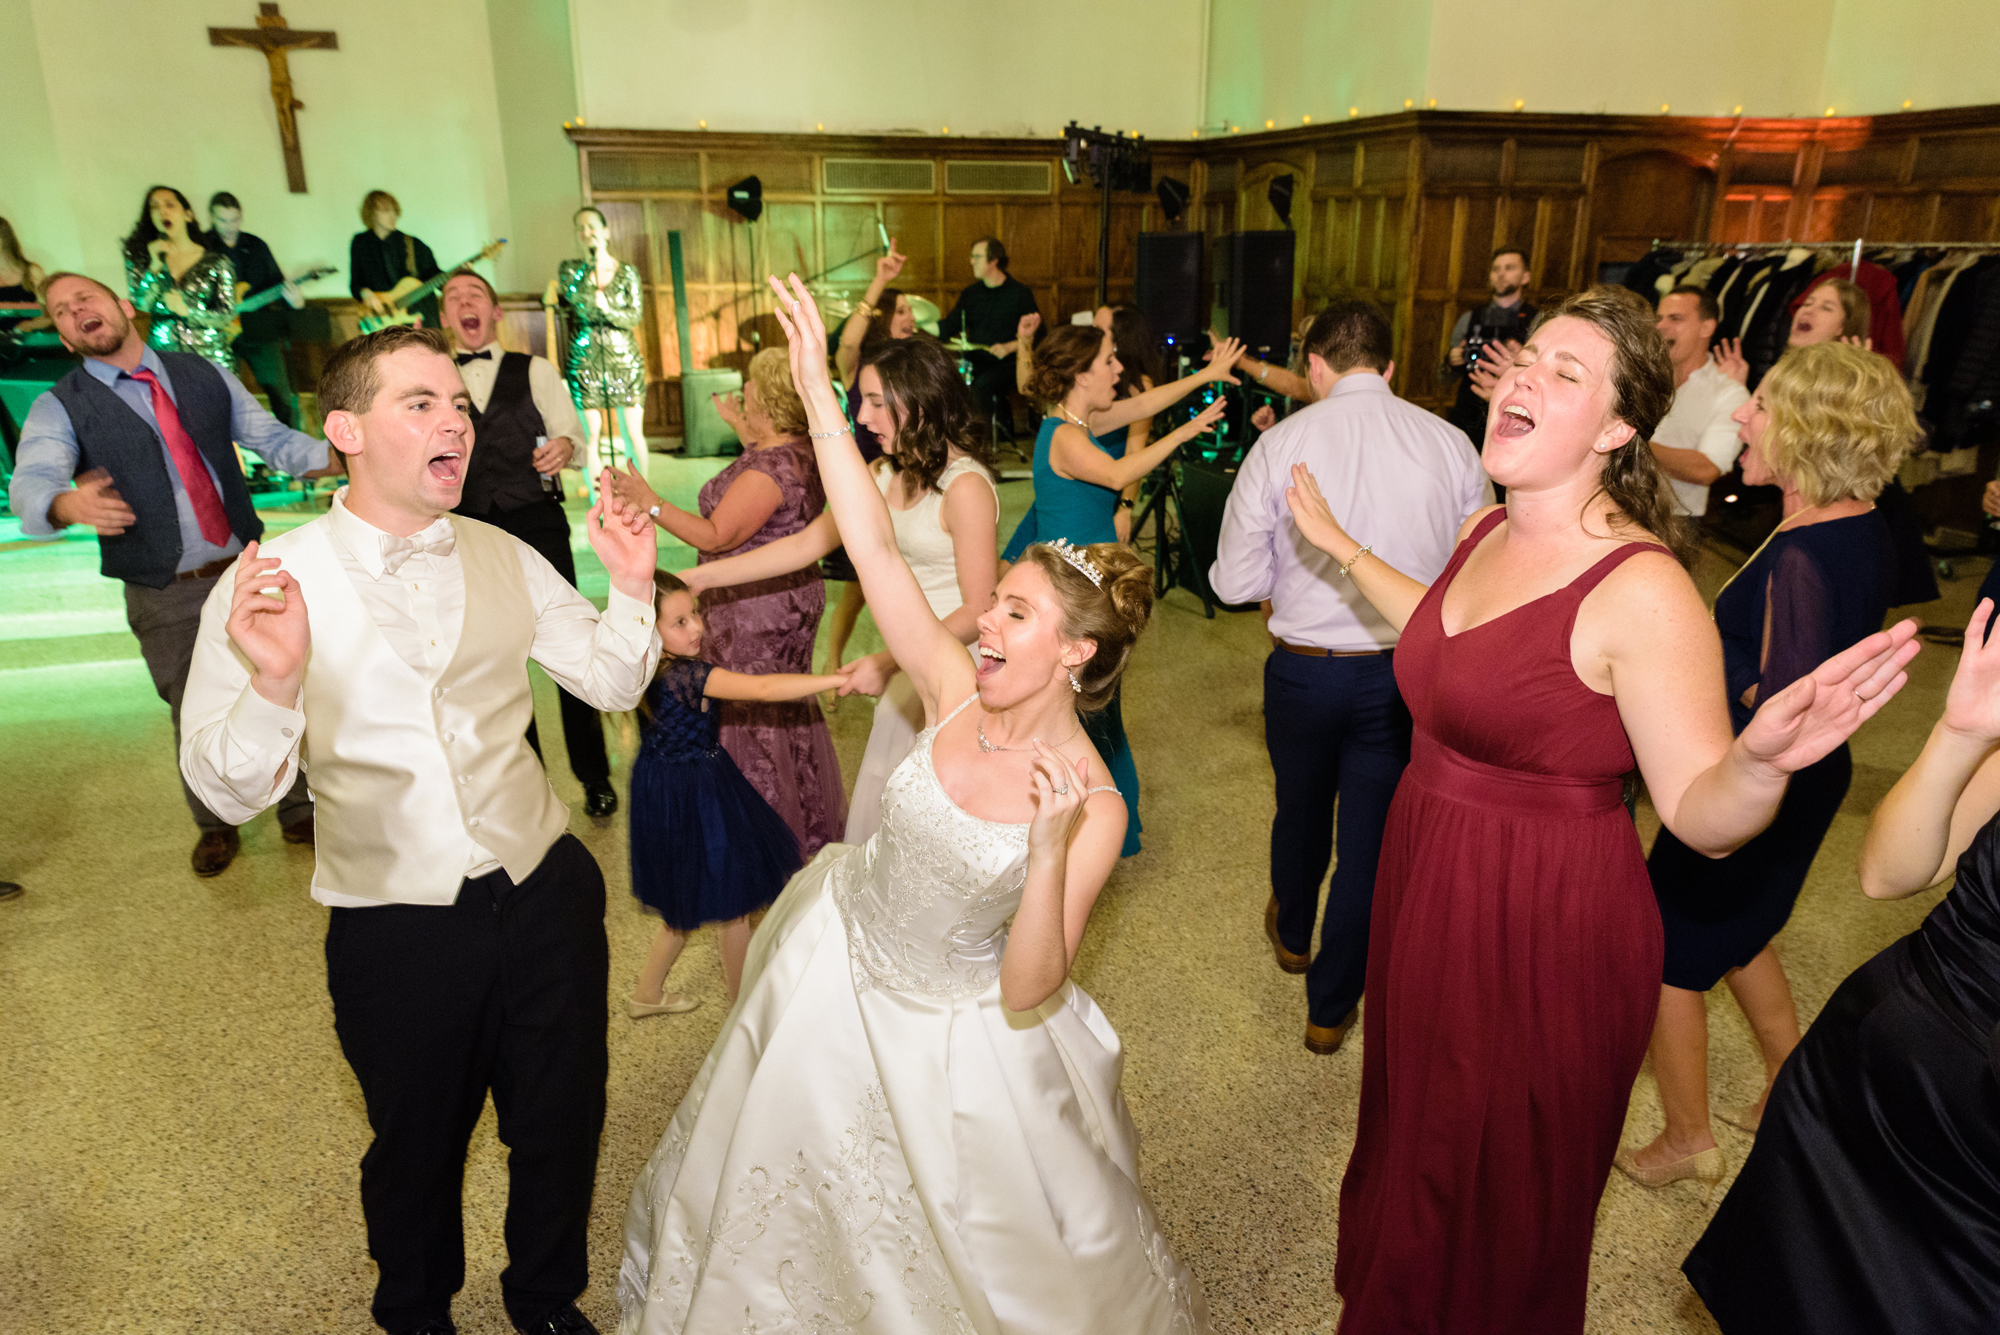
pixel 465 949
pixel 528 429
pixel 1696 441
pixel 1403 480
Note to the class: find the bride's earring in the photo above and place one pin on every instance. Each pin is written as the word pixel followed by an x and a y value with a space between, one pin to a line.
pixel 1074 684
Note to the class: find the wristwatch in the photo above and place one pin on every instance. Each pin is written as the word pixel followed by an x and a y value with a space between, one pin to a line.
pixel 654 512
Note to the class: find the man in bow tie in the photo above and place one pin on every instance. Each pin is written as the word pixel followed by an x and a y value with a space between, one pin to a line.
pixel 465 949
pixel 136 444
pixel 528 431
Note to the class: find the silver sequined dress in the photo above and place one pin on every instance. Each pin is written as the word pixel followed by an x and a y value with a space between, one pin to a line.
pixel 602 357
pixel 208 287
pixel 877 1144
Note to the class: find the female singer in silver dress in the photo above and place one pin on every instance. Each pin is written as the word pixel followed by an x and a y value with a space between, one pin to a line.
pixel 187 290
pixel 911 1119
pixel 603 304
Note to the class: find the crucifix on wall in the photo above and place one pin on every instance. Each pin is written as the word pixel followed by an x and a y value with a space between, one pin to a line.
pixel 275 38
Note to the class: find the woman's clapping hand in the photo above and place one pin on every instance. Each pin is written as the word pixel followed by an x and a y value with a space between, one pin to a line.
pixel 1972 705
pixel 1816 713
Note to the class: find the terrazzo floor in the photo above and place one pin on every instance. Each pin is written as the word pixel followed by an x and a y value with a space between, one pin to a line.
pixel 181 1135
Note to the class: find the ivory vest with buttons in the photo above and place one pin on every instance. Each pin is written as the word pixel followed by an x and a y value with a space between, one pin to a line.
pixel 392 758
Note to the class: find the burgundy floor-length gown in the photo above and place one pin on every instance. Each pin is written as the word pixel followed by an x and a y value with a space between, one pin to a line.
pixel 784 749
pixel 1513 972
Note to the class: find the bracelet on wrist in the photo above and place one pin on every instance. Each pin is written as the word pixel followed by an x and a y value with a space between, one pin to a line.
pixel 1351 560
pixel 829 435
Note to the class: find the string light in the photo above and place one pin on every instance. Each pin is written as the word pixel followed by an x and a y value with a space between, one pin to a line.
pixel 1519 103
pixel 1738 111
pixel 1353 111
pixel 1434 103
pixel 1829 111
pixel 702 124
pixel 1308 120
pixel 819 125
pixel 1664 108
pixel 1906 104
pixel 1270 125
pixel 1409 102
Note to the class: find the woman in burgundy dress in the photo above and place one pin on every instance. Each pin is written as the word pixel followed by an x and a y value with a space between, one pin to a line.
pixel 770 492
pixel 1515 947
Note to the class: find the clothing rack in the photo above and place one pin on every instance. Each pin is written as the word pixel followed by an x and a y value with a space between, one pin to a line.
pixel 1857 245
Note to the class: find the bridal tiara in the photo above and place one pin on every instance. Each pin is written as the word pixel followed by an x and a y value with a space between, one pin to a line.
pixel 1075 556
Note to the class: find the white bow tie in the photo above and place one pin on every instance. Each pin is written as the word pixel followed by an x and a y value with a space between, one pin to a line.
pixel 397 550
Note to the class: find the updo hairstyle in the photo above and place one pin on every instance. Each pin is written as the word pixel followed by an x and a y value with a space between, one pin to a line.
pixel 1841 421
pixel 771 373
pixel 1060 358
pixel 1642 393
pixel 1112 615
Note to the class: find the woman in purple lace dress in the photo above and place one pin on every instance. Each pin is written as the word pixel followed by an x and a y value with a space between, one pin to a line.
pixel 770 492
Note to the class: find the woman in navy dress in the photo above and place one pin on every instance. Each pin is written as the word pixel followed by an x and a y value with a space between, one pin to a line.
pixel 1828 426
pixel 1871 1200
pixel 706 846
pixel 1077 482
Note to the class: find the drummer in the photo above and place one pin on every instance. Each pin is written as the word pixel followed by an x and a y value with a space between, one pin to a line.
pixel 983 325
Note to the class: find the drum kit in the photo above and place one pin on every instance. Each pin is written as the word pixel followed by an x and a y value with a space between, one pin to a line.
pixel 836 306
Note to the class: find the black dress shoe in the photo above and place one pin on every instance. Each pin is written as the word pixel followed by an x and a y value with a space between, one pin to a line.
pixel 10 890
pixel 563 1321
pixel 299 831
pixel 435 1326
pixel 215 851
pixel 599 799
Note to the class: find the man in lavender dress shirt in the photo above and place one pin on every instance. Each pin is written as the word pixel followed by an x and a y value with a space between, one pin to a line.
pixel 1403 481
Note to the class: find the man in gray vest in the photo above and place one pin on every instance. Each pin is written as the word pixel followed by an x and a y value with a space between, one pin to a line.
pixel 136 444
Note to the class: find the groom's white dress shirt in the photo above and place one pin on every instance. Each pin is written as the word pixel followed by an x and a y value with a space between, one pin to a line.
pixel 414 706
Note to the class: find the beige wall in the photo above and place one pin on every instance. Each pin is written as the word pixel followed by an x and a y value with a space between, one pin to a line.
pixel 1277 60
pixel 1005 67
pixel 1928 53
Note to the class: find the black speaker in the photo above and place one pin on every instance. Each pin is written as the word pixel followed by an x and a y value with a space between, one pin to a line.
pixel 1253 286
pixel 1280 195
pixel 1168 284
pixel 746 198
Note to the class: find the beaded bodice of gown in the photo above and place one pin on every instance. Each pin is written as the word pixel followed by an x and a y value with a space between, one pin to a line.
pixel 682 726
pixel 927 899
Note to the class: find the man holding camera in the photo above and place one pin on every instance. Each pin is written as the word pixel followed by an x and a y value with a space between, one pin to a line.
pixel 1505 319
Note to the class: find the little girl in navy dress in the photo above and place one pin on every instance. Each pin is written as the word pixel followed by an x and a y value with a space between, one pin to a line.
pixel 706 846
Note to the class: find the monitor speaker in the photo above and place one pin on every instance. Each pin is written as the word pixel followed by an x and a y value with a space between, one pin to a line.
pixel 1168 287
pixel 1253 288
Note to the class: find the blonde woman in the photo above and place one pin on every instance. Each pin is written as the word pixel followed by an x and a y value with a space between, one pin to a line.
pixel 1828 427
pixel 770 492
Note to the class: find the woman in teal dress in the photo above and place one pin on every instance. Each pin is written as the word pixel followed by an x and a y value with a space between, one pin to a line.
pixel 186 290
pixel 1077 483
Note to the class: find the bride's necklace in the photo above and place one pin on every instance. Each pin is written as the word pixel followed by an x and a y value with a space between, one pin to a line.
pixel 989 747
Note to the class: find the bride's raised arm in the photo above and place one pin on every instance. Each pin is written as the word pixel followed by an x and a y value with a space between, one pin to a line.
pixel 932 656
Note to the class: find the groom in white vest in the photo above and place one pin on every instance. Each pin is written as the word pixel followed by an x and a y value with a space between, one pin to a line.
pixel 385 646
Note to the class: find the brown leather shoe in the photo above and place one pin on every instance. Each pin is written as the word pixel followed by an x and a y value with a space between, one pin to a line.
pixel 215 852
pixel 299 831
pixel 1327 1041
pixel 1287 961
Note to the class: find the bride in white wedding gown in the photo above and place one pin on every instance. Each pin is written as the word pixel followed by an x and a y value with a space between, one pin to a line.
pixel 911 1120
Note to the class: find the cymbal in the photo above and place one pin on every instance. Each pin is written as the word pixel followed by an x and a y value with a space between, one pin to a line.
pixel 925 310
pixel 834 305
pixel 961 344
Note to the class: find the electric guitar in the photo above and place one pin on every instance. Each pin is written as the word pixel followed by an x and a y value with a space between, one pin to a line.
pixel 245 303
pixel 393 307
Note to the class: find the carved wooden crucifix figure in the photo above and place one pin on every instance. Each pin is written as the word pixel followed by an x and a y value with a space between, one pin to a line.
pixel 274 38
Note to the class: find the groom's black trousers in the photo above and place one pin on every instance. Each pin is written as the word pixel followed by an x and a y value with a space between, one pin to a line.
pixel 502 990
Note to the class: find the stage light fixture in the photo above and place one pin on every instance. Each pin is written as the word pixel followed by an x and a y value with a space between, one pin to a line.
pixel 1280 195
pixel 746 198
pixel 1174 196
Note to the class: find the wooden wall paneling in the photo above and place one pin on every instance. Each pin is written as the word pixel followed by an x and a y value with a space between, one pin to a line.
pixel 1899 215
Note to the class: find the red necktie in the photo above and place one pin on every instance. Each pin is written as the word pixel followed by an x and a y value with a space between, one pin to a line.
pixel 200 487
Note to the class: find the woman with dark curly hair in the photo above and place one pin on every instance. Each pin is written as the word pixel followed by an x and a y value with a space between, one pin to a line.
pixel 1514 948
pixel 188 290
pixel 946 511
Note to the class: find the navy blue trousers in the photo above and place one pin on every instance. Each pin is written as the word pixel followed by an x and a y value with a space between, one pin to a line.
pixel 1337 730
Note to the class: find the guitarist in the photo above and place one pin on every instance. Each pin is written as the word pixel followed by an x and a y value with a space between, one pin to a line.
pixel 381 257
pixel 266 332
pixel 516 400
